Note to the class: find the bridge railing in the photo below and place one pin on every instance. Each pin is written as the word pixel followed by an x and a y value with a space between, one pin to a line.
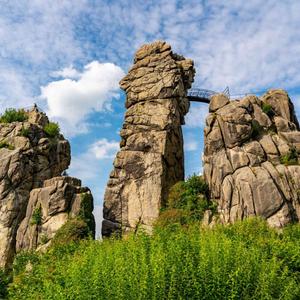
pixel 204 94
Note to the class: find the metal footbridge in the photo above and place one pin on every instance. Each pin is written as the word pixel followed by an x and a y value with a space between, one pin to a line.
pixel 202 95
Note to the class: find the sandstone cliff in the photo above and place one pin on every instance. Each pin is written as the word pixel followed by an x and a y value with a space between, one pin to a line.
pixel 251 157
pixel 150 160
pixel 31 205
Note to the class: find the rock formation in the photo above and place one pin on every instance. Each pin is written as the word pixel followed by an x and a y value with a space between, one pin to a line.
pixel 29 158
pixel 251 158
pixel 151 156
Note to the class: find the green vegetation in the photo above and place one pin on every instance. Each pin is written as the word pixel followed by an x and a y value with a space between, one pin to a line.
pixel 13 115
pixel 5 279
pixel 291 158
pixel 77 228
pixel 180 260
pixel 36 218
pixel 257 129
pixel 73 230
pixel 246 260
pixel 268 110
pixel 187 202
pixel 52 129
pixel 5 144
pixel 24 132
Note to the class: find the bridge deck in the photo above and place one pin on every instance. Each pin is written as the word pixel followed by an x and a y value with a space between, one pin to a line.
pixel 203 95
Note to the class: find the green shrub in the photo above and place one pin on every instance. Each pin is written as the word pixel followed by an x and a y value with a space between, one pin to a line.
pixel 268 110
pixel 5 144
pixel 5 279
pixel 172 216
pixel 247 260
pixel 257 129
pixel 13 115
pixel 52 129
pixel 191 195
pixel 86 211
pixel 291 158
pixel 36 218
pixel 73 230
pixel 24 132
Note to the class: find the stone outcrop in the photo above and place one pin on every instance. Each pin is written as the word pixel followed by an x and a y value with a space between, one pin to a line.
pixel 251 158
pixel 49 208
pixel 28 159
pixel 151 156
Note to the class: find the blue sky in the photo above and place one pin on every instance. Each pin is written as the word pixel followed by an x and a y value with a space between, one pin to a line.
pixel 68 57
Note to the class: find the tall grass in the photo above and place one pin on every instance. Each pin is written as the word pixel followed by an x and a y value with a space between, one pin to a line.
pixel 246 260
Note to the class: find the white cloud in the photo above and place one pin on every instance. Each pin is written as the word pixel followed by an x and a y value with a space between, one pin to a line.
pixel 71 100
pixel 197 115
pixel 86 164
pixel 104 148
pixel 69 72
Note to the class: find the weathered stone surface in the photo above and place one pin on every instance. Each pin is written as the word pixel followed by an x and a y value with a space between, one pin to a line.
pixel 60 199
pixel 218 101
pixel 249 159
pixel 151 156
pixel 29 158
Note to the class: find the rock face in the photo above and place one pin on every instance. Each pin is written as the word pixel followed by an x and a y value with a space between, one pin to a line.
pixel 151 156
pixel 28 159
pixel 49 208
pixel 251 158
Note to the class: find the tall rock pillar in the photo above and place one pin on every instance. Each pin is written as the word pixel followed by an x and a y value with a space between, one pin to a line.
pixel 151 156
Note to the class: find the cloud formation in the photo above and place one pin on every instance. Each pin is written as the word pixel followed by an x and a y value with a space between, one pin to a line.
pixel 71 100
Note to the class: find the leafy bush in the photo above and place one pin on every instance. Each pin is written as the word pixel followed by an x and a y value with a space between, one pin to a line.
pixel 36 218
pixel 257 129
pixel 5 279
pixel 5 144
pixel 52 129
pixel 13 115
pixel 86 210
pixel 247 260
pixel 24 132
pixel 191 195
pixel 291 158
pixel 73 230
pixel 268 110
pixel 172 216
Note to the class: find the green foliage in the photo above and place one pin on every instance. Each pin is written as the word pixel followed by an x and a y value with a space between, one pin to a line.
pixel 291 158
pixel 5 144
pixel 36 218
pixel 268 110
pixel 176 216
pixel 73 230
pixel 24 132
pixel 5 279
pixel 44 239
pixel 86 211
pixel 247 260
pixel 52 129
pixel 191 196
pixel 257 129
pixel 13 115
